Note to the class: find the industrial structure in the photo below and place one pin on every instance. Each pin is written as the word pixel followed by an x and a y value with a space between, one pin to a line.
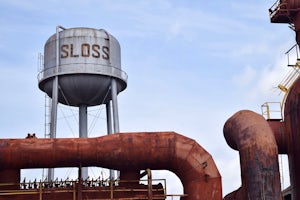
pixel 259 141
pixel 82 68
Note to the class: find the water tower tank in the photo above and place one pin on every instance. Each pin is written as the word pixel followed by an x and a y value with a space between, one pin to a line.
pixel 88 60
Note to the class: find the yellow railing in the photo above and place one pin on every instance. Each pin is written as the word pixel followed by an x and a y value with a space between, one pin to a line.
pixel 272 110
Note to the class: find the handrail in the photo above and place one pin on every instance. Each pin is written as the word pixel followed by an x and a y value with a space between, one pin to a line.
pixel 276 7
pixel 268 108
pixel 50 72
pixel 69 186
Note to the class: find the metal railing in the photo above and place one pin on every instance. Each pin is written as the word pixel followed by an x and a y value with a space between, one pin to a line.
pixel 279 5
pixel 99 69
pixel 272 110
pixel 112 187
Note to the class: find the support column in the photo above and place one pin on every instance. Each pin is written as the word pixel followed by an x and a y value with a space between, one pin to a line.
pixel 54 102
pixel 114 93
pixel 83 133
pixel 53 123
pixel 109 131
pixel 108 118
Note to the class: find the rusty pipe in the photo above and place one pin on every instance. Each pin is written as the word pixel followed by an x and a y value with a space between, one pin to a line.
pixel 251 135
pixel 279 132
pixel 126 151
pixel 292 129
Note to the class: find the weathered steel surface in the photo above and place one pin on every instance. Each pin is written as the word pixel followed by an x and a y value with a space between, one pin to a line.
pixel 126 151
pixel 291 128
pixel 292 4
pixel 278 128
pixel 292 119
pixel 251 135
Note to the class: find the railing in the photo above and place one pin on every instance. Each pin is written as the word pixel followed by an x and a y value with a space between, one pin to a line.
pixel 89 69
pixel 276 7
pixel 272 110
pixel 288 81
pixel 73 187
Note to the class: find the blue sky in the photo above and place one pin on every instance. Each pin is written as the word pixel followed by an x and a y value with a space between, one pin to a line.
pixel 191 65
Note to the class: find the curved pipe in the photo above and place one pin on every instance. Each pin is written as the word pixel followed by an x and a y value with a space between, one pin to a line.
pixel 250 134
pixel 161 150
pixel 292 129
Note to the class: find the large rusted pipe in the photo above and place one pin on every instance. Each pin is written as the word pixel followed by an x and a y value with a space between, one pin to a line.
pixel 251 135
pixel 292 119
pixel 126 151
pixel 292 114
pixel 279 132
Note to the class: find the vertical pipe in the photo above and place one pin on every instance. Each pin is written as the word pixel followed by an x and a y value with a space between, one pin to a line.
pixel 115 105
pixel 40 191
pixel 79 185
pixel 108 118
pixel 53 123
pixel 55 91
pixel 114 98
pixel 149 184
pixel 292 129
pixel 251 135
pixel 83 121
pixel 83 133
pixel 109 131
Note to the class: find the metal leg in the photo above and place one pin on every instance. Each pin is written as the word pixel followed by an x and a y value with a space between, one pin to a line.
pixel 53 122
pixel 83 133
pixel 115 105
pixel 109 131
pixel 114 98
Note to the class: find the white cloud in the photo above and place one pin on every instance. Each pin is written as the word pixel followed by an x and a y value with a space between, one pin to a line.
pixel 261 83
pixel 249 50
pixel 246 78
pixel 231 172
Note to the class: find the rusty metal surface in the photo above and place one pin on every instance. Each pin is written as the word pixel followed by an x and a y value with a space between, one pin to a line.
pixel 290 126
pixel 251 135
pixel 125 151
pixel 292 119
pixel 235 195
pixel 293 4
pixel 284 11
pixel 287 11
pixel 278 128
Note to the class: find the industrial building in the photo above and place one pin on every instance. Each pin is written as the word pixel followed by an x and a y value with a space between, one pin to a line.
pixel 82 68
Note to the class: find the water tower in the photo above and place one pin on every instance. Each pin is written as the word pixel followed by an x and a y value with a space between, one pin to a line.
pixel 82 68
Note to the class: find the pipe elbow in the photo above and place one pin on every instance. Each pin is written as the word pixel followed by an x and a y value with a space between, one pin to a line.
pixel 196 169
pixel 251 135
pixel 247 128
